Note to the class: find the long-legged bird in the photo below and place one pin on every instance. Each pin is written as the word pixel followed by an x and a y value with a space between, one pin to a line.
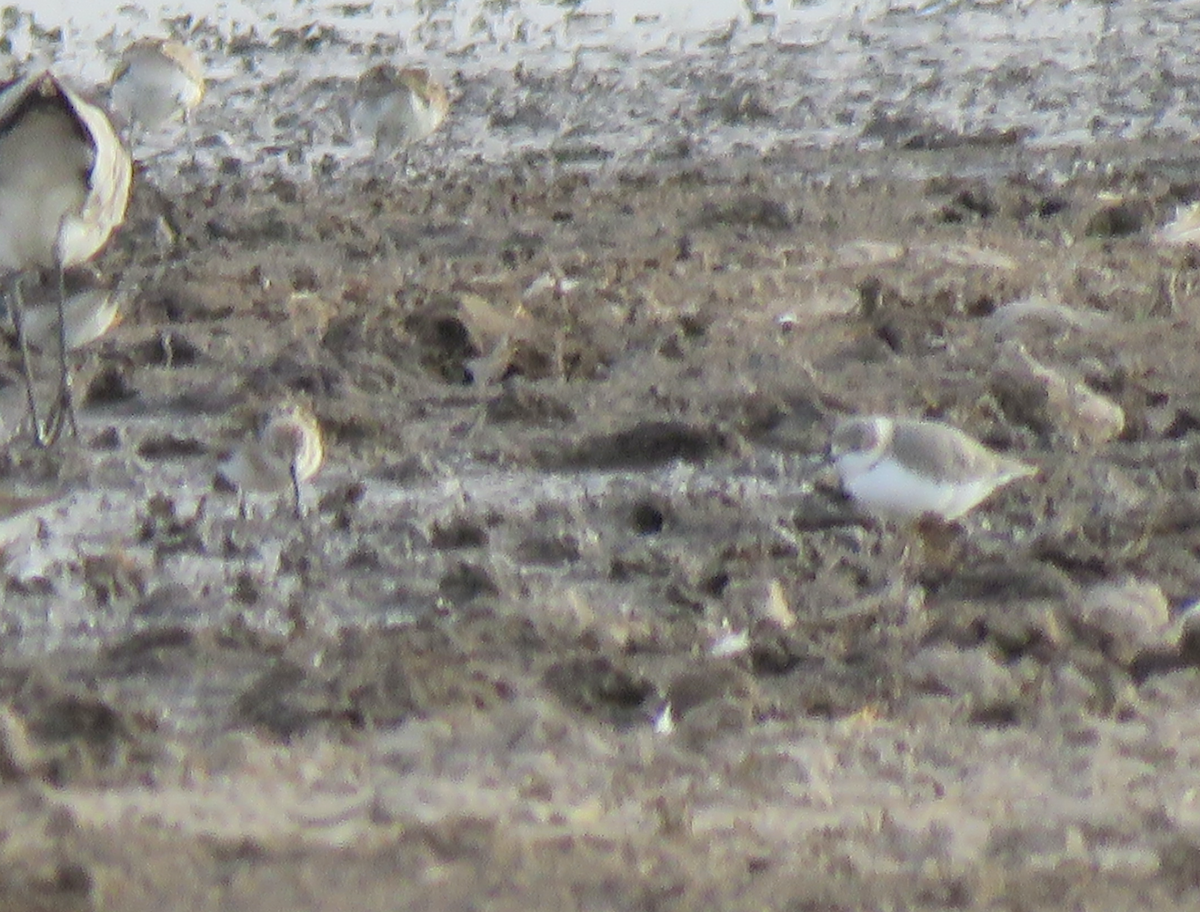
pixel 64 186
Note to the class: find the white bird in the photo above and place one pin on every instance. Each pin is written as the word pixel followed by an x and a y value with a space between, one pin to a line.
pixel 157 80
pixel 396 106
pixel 286 451
pixel 906 468
pixel 88 312
pixel 64 188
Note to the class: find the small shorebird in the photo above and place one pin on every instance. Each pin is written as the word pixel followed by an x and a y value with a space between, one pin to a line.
pixel 64 187
pixel 286 451
pixel 157 80
pixel 88 313
pixel 397 106
pixel 908 469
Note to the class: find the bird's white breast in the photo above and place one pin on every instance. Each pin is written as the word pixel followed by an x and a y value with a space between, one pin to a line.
pixel 43 182
pixel 154 89
pixel 890 489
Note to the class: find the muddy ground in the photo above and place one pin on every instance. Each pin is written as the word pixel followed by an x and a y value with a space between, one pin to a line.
pixel 575 430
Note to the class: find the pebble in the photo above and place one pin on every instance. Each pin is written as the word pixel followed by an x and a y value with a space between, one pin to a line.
pixel 1125 618
pixel 1052 401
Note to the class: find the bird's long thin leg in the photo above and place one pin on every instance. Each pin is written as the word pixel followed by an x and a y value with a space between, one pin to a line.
pixel 66 401
pixel 18 318
pixel 296 492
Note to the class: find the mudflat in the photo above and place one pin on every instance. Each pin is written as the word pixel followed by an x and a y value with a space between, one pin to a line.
pixel 576 617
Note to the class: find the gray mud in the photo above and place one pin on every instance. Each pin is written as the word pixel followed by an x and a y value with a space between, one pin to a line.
pixel 576 415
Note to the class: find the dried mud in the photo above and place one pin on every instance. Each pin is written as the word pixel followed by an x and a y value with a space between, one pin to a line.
pixel 575 432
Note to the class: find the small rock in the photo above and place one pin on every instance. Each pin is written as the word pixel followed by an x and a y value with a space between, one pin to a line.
pixel 774 606
pixel 1183 230
pixel 1124 619
pixel 18 758
pixel 692 689
pixel 707 703
pixel 1051 401
pixel 1117 218
pixel 973 674
pixel 1014 317
pixel 1188 628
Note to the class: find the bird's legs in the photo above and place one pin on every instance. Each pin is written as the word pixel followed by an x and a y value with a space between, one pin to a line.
pixel 298 503
pixel 18 313
pixel 17 307
pixel 65 399
pixel 45 433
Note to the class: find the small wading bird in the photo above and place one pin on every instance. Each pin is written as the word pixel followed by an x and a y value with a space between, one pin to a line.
pixel 64 187
pixel 157 80
pixel 396 107
pixel 908 469
pixel 88 313
pixel 286 451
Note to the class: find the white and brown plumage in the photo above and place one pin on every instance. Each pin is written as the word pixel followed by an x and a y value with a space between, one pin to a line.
pixel 88 312
pixel 287 451
pixel 157 80
pixel 907 468
pixel 64 188
pixel 397 106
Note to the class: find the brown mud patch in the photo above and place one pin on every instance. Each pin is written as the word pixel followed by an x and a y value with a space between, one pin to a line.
pixel 575 430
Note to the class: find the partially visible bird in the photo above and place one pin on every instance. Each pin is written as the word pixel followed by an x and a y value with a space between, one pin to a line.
pixel 64 188
pixel 286 451
pixel 89 313
pixel 907 468
pixel 397 106
pixel 157 80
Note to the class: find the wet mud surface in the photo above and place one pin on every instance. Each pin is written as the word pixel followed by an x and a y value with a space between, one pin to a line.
pixel 575 617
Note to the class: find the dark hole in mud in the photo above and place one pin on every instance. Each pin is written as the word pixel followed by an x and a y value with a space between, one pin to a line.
pixel 549 551
pixel 643 445
pixel 1052 206
pixel 1162 661
pixel 647 518
pixel 748 212
pixel 520 247
pixel 977 201
pixel 457 533
pixel 110 386
pixel 774 656
pixel 284 701
pixel 1000 715
pixel 598 686
pixel 522 404
pixel 171 447
pixel 466 581
pixel 166 349
pixel 76 716
pixel 445 343
pixel 1121 220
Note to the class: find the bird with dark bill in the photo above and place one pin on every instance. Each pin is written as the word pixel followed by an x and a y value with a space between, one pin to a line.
pixel 286 451
pixel 908 468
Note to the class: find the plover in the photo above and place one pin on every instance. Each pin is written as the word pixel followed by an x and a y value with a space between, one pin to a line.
pixel 907 469
pixel 286 451
pixel 64 187
pixel 157 80
pixel 397 106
